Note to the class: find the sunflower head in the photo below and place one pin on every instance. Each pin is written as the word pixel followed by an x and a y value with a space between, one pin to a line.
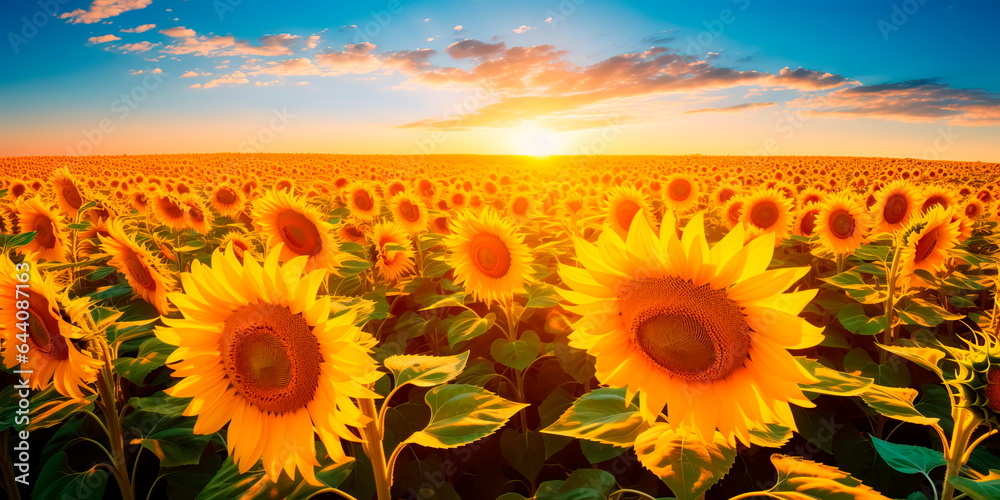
pixel 50 241
pixel 361 200
pixel 894 205
pixel 409 212
pixel 488 256
pixel 840 223
pixel 393 251
pixel 767 211
pixel 701 330
pixel 68 192
pixel 299 228
pixel 929 240
pixel 624 204
pixel 681 192
pixel 143 271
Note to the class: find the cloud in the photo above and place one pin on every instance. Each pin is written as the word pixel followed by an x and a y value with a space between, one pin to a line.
pixel 235 78
pixel 299 67
pixel 354 59
pixel 178 32
pixel 922 100
pixel 730 109
pixel 475 49
pixel 132 48
pixel 658 38
pixel 94 40
pixel 524 28
pixel 100 10
pixel 139 29
pixel 189 74
pixel 807 79
pixel 154 71
pixel 312 42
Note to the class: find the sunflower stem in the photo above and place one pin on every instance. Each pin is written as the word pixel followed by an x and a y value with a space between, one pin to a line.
pixel 374 449
pixel 107 396
pixel 890 302
pixel 965 423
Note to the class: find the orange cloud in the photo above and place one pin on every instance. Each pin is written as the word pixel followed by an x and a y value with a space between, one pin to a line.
pixel 94 40
pixel 100 10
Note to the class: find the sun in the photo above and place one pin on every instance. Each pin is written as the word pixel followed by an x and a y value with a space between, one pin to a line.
pixel 535 141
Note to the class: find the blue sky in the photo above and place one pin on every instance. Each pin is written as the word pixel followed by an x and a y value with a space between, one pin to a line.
pixel 522 77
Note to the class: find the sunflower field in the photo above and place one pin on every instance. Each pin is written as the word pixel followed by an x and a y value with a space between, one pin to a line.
pixel 592 327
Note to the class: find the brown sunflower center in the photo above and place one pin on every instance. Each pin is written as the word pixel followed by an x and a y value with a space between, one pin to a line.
pixel 43 329
pixel 925 245
pixel 841 224
pixel 726 194
pixel 520 206
pixel 409 211
pixel 299 233
pixel 764 214
pixel 363 200
pixel 72 196
pixel 993 389
pixel 693 332
pixel 17 190
pixel 271 357
pixel 680 189
pixel 490 255
pixel 45 235
pixel 808 224
pixel 895 208
pixel 933 200
pixel 226 196
pixel 171 209
pixel 626 212
pixel 139 272
pixel 972 211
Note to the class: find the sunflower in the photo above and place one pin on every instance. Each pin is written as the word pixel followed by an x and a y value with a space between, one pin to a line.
pixel 487 255
pixel 241 244
pixel 932 196
pixel 227 200
pixel 681 193
pixel 839 223
pixel 805 223
pixel 704 331
pixel 50 327
pixel 732 211
pixel 301 229
pixel 929 240
pixel 520 209
pixel 623 203
pixel 361 201
pixel 811 195
pixel 68 193
pixel 194 214
pixel 140 200
pixel 7 218
pixel 393 251
pixel 895 204
pixel 49 242
pixel 723 193
pixel 408 211
pixel 263 354
pixel 143 271
pixel 169 211
pixel 354 233
pixel 766 210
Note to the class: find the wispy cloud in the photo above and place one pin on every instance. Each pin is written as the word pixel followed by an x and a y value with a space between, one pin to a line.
pixel 139 29
pixel 920 100
pixel 94 40
pixel 100 10
pixel 734 108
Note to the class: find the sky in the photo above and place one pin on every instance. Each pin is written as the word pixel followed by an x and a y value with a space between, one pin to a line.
pixel 913 78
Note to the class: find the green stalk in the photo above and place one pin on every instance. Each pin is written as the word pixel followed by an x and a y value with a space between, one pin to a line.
pixel 372 445
pixel 106 389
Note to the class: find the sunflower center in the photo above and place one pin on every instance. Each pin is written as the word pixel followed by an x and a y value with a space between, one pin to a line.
pixel 43 329
pixel 734 212
pixel 520 206
pixel 680 189
pixel 626 212
pixel 764 214
pixel 934 200
pixel 271 357
pixel 993 389
pixel 841 224
pixel 226 196
pixel 895 208
pixel 490 255
pixel 139 272
pixel 45 236
pixel 72 195
pixel 726 194
pixel 925 245
pixel 363 200
pixel 693 332
pixel 972 211
pixel 409 211
pixel 809 222
pixel 299 233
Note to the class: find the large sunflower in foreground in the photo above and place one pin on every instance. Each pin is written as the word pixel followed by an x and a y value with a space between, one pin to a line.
pixel 143 271
pixel 287 220
pixel 703 331
pixel 262 353
pixel 488 256
pixel 50 328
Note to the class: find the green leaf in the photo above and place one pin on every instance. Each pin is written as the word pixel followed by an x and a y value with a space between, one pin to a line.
pixel 467 325
pixel 853 317
pixel 228 483
pixel 153 354
pixel 601 415
pixel 683 461
pixel 425 371
pixel 56 480
pixel 896 402
pixel 160 403
pixel 576 362
pixel 800 479
pixel 17 240
pixel 525 452
pixel 772 436
pixel 832 381
pixel 173 441
pixel 518 354
pixel 909 459
pixel 927 357
pixel 978 490
pixel 542 295
pixel 600 452
pixel 454 300
pixel 847 280
pixel 100 273
pixel 582 484
pixel 461 414
pixel 80 226
pixel 111 292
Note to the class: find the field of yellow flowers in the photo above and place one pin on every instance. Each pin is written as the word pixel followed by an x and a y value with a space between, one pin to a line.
pixel 623 327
